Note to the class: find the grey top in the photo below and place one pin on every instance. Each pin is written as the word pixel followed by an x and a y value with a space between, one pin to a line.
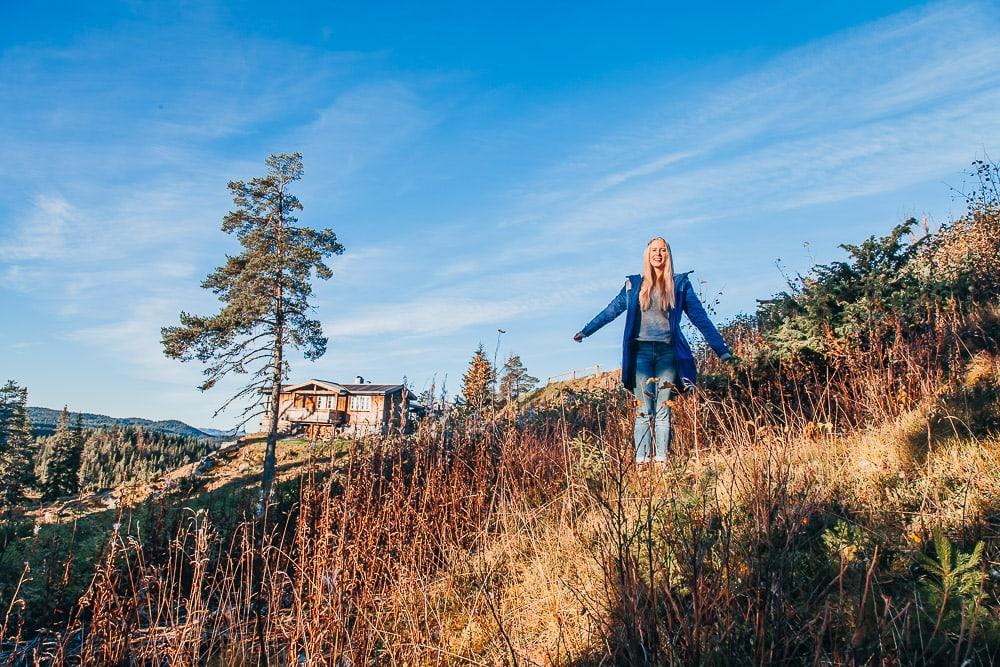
pixel 654 324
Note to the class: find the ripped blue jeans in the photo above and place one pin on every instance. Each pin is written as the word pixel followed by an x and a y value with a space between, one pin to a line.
pixel 655 377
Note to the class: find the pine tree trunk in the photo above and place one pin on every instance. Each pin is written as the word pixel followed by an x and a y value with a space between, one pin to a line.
pixel 270 452
pixel 260 584
pixel 270 457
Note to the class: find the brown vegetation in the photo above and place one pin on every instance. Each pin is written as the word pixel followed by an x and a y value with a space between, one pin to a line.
pixel 766 540
pixel 836 500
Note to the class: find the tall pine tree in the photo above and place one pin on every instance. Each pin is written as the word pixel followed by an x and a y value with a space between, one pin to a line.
pixel 514 379
pixel 477 383
pixel 16 444
pixel 265 292
pixel 60 459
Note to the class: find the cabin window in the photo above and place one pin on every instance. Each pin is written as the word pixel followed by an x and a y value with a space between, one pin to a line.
pixel 361 403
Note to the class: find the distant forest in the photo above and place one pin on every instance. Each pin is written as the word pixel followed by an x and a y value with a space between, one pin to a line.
pixel 47 454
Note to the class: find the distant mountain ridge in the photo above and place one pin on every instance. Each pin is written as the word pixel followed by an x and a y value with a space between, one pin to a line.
pixel 43 421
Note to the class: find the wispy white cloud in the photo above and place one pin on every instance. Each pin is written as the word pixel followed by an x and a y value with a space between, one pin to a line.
pixel 425 316
pixel 136 340
pixel 157 387
pixel 127 186
pixel 867 111
pixel 645 169
pixel 485 298
pixel 42 235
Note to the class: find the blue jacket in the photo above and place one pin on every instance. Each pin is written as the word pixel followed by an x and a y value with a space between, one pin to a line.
pixel 685 300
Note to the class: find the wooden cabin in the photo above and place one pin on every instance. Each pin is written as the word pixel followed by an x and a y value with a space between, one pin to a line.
pixel 322 409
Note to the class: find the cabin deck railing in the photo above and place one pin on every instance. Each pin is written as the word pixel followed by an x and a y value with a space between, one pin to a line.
pixel 320 416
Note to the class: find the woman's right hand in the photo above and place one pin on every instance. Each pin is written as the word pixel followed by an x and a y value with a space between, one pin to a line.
pixel 578 337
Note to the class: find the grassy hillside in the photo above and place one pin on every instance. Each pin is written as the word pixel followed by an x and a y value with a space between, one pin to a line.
pixel 761 539
pixel 833 500
pixel 57 546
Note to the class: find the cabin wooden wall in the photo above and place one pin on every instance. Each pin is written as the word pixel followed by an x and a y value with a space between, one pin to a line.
pixel 385 413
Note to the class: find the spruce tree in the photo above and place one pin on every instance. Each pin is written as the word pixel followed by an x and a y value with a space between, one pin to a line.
pixel 60 460
pixel 94 459
pixel 514 379
pixel 16 444
pixel 265 293
pixel 79 440
pixel 427 399
pixel 477 383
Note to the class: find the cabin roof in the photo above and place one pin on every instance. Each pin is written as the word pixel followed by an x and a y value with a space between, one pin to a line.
pixel 362 389
pixel 326 384
pixel 372 388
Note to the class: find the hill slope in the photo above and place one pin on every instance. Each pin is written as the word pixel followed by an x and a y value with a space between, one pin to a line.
pixel 43 420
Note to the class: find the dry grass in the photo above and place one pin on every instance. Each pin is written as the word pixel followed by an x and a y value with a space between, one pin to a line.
pixel 548 565
pixel 784 529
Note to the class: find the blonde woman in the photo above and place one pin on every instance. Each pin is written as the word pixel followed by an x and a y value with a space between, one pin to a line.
pixel 656 358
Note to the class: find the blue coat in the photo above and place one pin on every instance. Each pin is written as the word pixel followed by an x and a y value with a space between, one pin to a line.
pixel 685 300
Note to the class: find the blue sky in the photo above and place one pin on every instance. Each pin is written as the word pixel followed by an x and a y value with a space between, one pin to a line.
pixel 485 164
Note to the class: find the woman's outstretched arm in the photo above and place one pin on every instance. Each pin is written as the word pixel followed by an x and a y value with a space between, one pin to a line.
pixel 610 312
pixel 696 313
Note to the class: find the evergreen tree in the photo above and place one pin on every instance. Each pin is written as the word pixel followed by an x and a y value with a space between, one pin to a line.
pixel 60 460
pixel 477 383
pixel 121 454
pixel 16 443
pixel 428 401
pixel 265 291
pixel 514 379
pixel 79 439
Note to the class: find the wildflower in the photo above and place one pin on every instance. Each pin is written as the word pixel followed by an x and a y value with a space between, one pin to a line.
pixel 916 539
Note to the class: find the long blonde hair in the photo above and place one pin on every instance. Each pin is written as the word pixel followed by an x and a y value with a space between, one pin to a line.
pixel 665 285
